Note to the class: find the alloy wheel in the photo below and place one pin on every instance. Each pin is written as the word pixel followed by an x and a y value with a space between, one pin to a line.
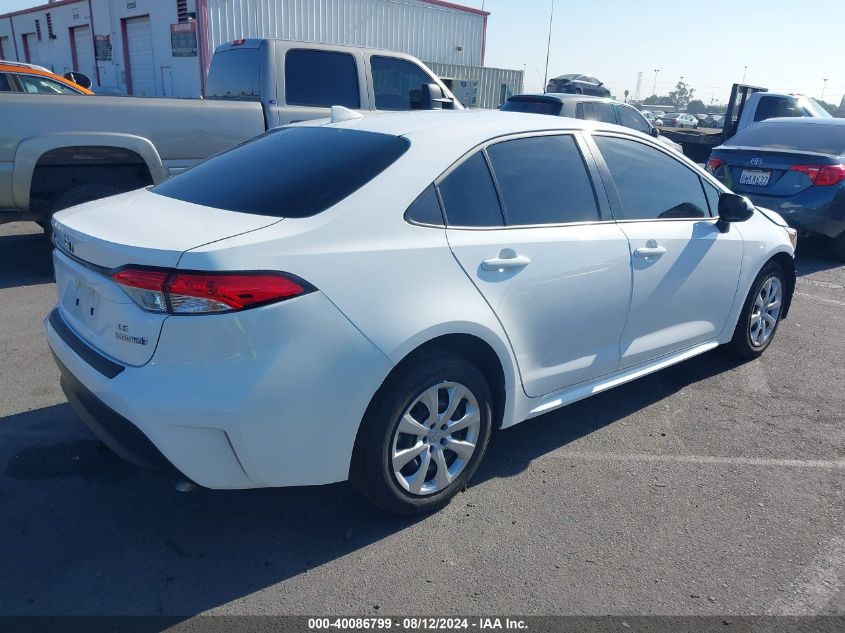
pixel 765 312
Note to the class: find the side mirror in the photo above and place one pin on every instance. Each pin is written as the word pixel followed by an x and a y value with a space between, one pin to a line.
pixel 431 97
pixel 79 79
pixel 733 208
pixel 655 132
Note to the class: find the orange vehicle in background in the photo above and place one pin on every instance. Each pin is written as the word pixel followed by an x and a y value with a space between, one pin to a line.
pixel 32 79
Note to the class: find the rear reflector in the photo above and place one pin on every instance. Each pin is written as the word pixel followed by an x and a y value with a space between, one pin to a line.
pixel 822 175
pixel 179 292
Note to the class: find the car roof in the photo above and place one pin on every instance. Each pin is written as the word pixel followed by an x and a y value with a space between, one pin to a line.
pixel 558 96
pixel 39 71
pixel 804 120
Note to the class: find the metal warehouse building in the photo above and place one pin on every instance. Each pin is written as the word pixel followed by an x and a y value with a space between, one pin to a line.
pixel 164 47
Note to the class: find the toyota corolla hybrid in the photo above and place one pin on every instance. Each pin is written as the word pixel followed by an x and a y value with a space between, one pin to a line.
pixel 366 299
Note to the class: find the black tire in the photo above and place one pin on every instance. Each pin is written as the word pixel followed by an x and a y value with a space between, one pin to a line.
pixel 372 470
pixel 837 247
pixel 741 344
pixel 578 91
pixel 83 192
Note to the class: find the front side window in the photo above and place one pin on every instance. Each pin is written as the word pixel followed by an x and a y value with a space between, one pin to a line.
pixel 235 74
pixel 469 195
pixel 543 180
pixel 633 119
pixel 397 83
pixel 770 107
pixel 651 185
pixel 293 172
pixel 35 84
pixel 321 79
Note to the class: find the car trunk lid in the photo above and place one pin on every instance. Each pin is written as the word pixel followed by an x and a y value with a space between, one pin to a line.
pixel 769 172
pixel 94 240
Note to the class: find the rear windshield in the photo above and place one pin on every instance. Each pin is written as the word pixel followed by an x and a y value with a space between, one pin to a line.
pixel 539 106
pixel 291 172
pixel 235 74
pixel 801 137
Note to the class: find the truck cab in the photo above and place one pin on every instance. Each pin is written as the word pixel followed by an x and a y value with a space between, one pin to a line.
pixel 298 81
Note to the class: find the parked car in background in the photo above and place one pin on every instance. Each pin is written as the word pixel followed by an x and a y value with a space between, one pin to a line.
pixel 652 117
pixel 795 166
pixel 680 120
pixel 701 118
pixel 32 79
pixel 578 84
pixel 63 151
pixel 611 259
pixel 589 109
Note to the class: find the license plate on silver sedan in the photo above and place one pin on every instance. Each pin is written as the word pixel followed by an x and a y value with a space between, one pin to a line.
pixel 756 177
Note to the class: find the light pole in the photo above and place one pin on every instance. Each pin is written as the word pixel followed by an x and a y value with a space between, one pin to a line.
pixel 654 87
pixel 824 85
pixel 744 70
pixel 549 46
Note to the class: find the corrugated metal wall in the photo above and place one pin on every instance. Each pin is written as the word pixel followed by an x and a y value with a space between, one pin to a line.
pixel 422 29
pixel 492 85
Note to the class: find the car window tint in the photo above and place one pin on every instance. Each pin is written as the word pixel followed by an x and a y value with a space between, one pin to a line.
pixel 770 107
pixel 235 74
pixel 793 135
pixel 539 106
pixel 598 111
pixel 397 83
pixel 321 79
pixel 633 119
pixel 5 84
pixel 42 85
pixel 292 172
pixel 426 208
pixel 712 197
pixel 543 180
pixel 469 196
pixel 650 184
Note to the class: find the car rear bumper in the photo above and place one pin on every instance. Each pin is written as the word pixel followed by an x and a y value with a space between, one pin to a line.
pixel 816 212
pixel 267 397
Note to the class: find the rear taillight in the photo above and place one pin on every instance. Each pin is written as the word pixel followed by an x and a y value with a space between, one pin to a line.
pixel 713 164
pixel 822 175
pixel 178 292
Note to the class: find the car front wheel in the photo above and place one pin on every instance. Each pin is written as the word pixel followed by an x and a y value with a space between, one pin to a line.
pixel 760 314
pixel 424 435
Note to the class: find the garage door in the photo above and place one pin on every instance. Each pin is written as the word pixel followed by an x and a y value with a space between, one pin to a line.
pixel 139 46
pixel 30 46
pixel 84 51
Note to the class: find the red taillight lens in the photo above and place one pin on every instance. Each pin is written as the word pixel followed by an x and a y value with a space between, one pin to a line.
pixel 822 175
pixel 199 292
pixel 713 164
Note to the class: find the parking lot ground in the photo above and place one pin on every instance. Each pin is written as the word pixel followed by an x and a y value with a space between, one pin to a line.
pixel 712 487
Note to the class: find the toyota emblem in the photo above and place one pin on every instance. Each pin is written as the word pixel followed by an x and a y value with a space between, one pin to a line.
pixel 756 161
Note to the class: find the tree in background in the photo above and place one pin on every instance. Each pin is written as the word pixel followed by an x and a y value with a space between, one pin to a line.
pixel 696 106
pixel 655 100
pixel 681 95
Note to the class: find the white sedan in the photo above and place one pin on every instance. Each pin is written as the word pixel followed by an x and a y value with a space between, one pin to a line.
pixel 366 299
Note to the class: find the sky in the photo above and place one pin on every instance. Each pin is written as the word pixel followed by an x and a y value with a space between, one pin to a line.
pixel 787 45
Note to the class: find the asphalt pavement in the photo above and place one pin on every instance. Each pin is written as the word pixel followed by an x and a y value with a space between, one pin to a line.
pixel 712 487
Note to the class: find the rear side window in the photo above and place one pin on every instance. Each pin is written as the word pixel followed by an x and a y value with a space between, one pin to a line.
pixel 539 106
pixel 651 185
pixel 469 196
pixel 321 78
pixel 397 83
pixel 596 111
pixel 5 85
pixel 235 74
pixel 543 180
pixel 288 172
pixel 793 135
pixel 425 209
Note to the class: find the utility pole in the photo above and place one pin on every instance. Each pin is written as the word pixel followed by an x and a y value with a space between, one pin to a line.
pixel 639 87
pixel 549 46
pixel 744 70
pixel 824 85
pixel 654 87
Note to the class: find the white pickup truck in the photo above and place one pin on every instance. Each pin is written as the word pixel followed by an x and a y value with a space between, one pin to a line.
pixel 60 150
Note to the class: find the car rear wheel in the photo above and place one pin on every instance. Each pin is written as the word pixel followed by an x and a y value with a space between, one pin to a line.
pixel 837 247
pixel 760 314
pixel 424 435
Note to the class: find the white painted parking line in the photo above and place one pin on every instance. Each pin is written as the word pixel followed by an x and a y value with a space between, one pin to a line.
pixel 708 459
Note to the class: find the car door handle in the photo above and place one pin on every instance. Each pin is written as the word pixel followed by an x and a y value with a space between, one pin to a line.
pixel 649 251
pixel 505 263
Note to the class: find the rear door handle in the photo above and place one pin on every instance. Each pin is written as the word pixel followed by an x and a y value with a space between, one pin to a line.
pixel 505 263
pixel 649 251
